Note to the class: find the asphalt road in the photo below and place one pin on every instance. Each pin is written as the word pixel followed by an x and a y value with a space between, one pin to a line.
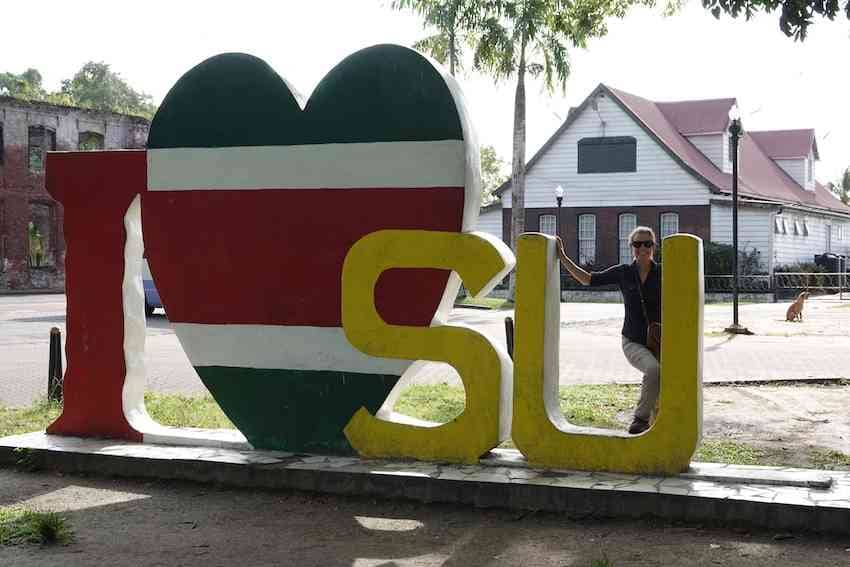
pixel 590 345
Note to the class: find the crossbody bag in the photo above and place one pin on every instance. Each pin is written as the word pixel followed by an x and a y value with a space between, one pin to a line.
pixel 653 329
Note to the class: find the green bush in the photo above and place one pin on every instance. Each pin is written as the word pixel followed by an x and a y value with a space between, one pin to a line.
pixel 718 259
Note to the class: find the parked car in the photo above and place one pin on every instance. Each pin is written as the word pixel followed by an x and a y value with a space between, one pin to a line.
pixel 152 300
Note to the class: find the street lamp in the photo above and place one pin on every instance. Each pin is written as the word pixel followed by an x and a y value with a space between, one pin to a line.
pixel 559 197
pixel 735 131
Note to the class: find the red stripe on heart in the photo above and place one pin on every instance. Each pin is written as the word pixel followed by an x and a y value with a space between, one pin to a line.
pixel 275 257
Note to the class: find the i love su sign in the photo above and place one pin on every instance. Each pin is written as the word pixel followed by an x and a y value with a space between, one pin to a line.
pixel 308 253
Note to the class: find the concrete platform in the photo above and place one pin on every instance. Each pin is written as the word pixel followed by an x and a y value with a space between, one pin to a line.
pixel 728 495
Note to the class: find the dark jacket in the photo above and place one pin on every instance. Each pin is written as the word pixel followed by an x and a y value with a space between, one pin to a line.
pixel 627 278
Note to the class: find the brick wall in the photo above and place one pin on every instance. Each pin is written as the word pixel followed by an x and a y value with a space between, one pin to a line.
pixel 693 219
pixel 23 197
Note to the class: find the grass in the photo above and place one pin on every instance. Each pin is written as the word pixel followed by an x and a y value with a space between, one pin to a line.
pixel 604 562
pixel 584 405
pixel 14 421
pixel 488 302
pixel 186 411
pixel 589 405
pixel 730 452
pixel 435 402
pixel 21 526
pixel 829 459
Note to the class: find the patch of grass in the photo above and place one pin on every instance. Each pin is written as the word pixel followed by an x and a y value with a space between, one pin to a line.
pixel 488 302
pixel 589 405
pixel 186 411
pixel 604 562
pixel 597 405
pixel 440 403
pixel 14 421
pixel 21 526
pixel 829 459
pixel 730 452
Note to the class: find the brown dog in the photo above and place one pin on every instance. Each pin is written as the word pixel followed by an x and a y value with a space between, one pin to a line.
pixel 795 310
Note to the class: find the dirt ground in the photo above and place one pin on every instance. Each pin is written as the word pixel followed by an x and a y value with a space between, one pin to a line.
pixel 134 523
pixel 788 420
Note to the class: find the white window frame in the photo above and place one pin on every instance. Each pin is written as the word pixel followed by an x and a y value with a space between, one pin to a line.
pixel 546 229
pixel 798 226
pixel 586 239
pixel 779 225
pixel 666 219
pixel 625 246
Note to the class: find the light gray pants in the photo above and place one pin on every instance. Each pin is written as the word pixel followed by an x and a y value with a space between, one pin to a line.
pixel 641 358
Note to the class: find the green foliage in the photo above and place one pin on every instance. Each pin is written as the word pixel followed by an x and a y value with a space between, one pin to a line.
pixel 841 189
pixel 26 86
pixel 800 267
pixel 454 22
pixel 718 259
pixel 94 86
pixel 796 15
pixel 492 173
pixel 22 526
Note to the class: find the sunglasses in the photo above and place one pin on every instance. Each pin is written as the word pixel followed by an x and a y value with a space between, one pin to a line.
pixel 646 243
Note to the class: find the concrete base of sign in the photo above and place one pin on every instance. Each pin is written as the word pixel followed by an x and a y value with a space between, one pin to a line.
pixel 728 495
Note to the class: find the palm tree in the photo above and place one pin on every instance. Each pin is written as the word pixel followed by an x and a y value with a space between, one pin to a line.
pixel 453 20
pixel 516 38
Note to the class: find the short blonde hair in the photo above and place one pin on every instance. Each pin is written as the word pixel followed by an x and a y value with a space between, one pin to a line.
pixel 644 229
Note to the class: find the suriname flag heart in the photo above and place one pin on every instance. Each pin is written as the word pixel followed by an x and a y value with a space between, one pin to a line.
pixel 252 204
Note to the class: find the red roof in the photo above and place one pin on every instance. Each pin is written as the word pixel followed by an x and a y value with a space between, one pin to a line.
pixel 698 116
pixel 786 143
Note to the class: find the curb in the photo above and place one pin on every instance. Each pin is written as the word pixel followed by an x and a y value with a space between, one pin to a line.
pixel 763 497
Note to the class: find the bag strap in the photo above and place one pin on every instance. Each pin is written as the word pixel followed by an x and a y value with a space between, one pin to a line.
pixel 640 291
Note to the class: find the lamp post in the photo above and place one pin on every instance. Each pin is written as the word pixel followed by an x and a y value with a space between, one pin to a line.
pixel 559 197
pixel 735 131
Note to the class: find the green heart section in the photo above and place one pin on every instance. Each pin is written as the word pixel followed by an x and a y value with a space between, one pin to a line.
pixel 385 93
pixel 295 410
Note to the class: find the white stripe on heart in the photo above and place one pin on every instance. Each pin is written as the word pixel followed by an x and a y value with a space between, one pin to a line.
pixel 279 348
pixel 319 166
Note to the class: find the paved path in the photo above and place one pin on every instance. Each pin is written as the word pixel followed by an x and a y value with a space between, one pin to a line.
pixel 591 352
pixel 590 345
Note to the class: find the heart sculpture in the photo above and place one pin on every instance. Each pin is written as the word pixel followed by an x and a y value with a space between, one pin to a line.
pixel 252 204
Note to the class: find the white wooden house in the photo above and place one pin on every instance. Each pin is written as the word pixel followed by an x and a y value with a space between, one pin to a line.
pixel 623 160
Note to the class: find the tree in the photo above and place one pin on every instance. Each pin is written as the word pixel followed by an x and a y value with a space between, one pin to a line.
pixel 453 19
pixel 492 173
pixel 841 189
pixel 25 86
pixel 96 86
pixel 796 14
pixel 515 38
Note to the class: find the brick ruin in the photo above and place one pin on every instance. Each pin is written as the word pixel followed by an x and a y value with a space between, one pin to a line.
pixel 32 246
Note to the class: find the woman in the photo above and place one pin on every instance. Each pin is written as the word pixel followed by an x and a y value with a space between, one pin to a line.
pixel 640 278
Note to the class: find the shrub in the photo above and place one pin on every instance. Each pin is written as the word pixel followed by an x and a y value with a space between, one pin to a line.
pixel 718 259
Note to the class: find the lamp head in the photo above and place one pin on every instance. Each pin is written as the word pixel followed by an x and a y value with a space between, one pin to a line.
pixel 559 192
pixel 735 127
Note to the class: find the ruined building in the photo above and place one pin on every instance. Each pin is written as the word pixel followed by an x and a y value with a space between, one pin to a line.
pixel 32 247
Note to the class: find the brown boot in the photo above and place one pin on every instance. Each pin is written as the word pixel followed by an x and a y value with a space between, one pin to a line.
pixel 638 426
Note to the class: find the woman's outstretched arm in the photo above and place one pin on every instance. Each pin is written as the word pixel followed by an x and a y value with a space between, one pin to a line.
pixel 581 276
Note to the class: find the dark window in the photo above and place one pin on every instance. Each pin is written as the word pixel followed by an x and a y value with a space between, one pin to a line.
pixel 607 155
pixel 41 141
pixel 1 144
pixel 90 141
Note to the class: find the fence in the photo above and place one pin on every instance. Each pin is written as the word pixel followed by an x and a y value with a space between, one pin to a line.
pixel 783 283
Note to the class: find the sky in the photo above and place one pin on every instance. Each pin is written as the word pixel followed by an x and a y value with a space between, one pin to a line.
pixel 779 83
